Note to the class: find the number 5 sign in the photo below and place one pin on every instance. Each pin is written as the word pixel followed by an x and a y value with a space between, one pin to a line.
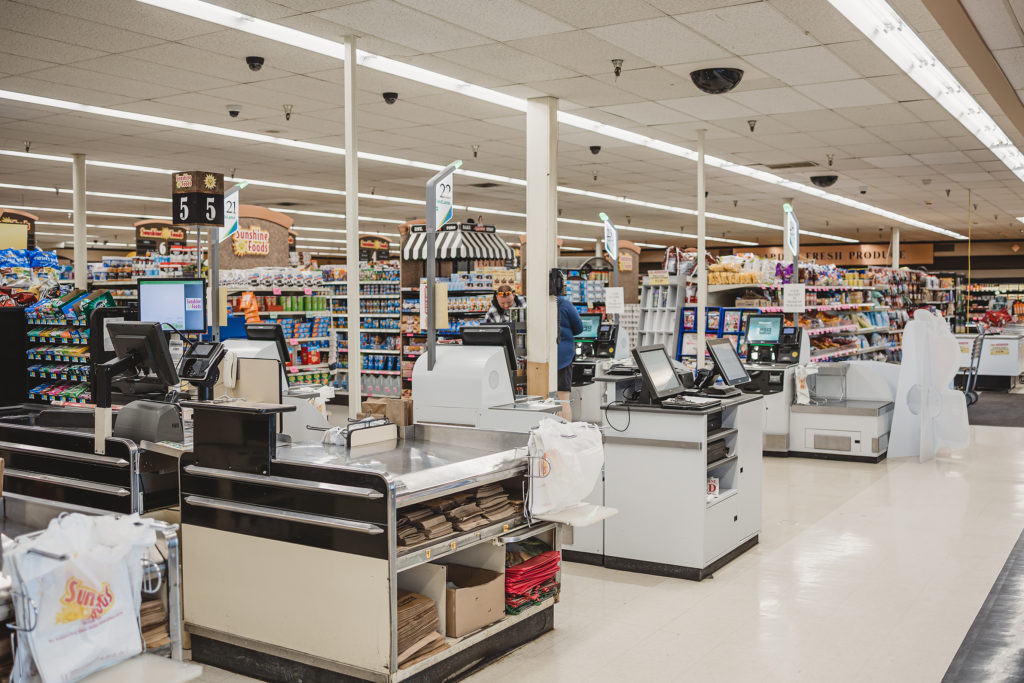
pixel 197 198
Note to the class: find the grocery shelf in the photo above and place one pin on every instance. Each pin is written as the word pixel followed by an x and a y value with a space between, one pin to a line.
pixel 380 330
pixel 843 353
pixel 395 351
pixel 380 372
pixel 812 332
pixel 314 366
pixel 307 339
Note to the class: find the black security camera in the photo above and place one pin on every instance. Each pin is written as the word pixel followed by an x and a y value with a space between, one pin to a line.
pixel 390 97
pixel 234 110
pixel 863 189
pixel 594 149
pixel 824 180
pixel 255 63
pixel 716 80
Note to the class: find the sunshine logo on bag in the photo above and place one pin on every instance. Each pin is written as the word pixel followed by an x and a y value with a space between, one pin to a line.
pixel 82 602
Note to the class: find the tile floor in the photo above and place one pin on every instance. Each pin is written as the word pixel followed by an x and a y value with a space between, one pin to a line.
pixel 864 572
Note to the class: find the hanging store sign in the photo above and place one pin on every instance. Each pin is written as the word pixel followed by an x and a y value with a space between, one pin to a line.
pixel 374 248
pixel 158 237
pixel 17 229
pixel 197 198
pixel 792 226
pixel 851 254
pixel 794 298
pixel 251 241
pixel 230 213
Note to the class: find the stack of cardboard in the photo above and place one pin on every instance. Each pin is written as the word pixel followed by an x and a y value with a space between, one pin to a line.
pixel 419 633
pixel 494 502
pixel 153 619
pixel 408 534
pixel 431 524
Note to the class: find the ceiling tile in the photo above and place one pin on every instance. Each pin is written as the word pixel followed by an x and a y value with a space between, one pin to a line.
pixel 773 101
pixel 709 107
pixel 33 47
pixel 939 158
pixel 402 25
pixel 502 20
pixel 1012 63
pixel 653 83
pixel 844 94
pixel 661 41
pixel 238 46
pixel 647 113
pixel 813 121
pixel 586 91
pixel 75 31
pixel 748 29
pixel 878 115
pixel 867 59
pixel 895 161
pixel 320 26
pixel 803 66
pixel 133 16
pixel 507 63
pixel 580 51
pixel 591 13
pixel 820 19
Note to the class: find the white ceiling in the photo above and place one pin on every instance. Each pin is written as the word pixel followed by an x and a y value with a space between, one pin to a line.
pixel 813 83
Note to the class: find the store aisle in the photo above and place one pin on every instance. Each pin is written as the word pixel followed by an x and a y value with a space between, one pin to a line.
pixel 864 572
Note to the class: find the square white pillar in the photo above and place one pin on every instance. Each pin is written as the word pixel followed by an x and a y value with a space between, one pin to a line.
pixel 541 243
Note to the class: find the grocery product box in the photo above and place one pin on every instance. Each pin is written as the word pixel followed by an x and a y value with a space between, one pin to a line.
pixel 477 600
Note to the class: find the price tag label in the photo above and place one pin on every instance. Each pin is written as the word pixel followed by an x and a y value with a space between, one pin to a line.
pixel 293 342
pixel 307 291
pixel 277 291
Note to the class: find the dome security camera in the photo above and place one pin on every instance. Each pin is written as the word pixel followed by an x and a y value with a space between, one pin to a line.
pixel 716 80
pixel 863 189
pixel 234 110
pixel 255 63
pixel 390 97
pixel 824 180
pixel 595 149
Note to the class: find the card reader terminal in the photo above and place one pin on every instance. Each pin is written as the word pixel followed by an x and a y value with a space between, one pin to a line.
pixel 199 364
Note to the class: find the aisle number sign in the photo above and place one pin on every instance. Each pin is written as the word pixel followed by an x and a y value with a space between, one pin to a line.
pixel 611 236
pixel 197 198
pixel 792 226
pixel 231 212
pixel 444 193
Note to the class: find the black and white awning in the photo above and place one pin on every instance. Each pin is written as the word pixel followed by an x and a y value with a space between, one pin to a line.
pixel 453 242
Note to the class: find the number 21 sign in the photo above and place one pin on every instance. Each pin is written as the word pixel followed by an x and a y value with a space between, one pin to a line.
pixel 197 198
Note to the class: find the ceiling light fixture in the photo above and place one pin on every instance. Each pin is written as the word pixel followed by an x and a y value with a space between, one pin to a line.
pixel 877 20
pixel 293 37
pixel 415 202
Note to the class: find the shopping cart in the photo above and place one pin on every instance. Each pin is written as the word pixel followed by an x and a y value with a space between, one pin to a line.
pixel 969 374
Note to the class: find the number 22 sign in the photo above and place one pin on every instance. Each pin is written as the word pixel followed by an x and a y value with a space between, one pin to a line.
pixel 197 198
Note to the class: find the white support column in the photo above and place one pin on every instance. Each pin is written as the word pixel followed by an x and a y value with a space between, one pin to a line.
pixel 702 270
pixel 352 229
pixel 894 246
pixel 79 230
pixel 541 244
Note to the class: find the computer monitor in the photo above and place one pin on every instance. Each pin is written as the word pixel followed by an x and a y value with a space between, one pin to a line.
pixel 147 346
pixel 727 361
pixel 175 303
pixel 494 335
pixel 659 377
pixel 591 324
pixel 764 329
pixel 270 332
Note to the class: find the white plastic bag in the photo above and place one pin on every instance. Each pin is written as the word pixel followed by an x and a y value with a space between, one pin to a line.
pixel 79 585
pixel 565 464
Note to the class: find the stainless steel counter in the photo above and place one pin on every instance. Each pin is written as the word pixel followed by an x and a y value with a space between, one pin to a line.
pixel 428 461
pixel 849 407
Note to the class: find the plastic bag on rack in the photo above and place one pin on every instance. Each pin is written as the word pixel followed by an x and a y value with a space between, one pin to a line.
pixel 565 464
pixel 78 586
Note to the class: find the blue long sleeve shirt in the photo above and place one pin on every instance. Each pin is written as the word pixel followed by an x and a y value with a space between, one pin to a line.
pixel 569 325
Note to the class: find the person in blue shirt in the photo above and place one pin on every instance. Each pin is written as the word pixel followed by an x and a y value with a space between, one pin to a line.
pixel 569 325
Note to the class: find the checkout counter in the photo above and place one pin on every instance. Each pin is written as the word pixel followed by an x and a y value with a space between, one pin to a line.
pixel 848 414
pixel 665 442
pixel 1002 358
pixel 595 347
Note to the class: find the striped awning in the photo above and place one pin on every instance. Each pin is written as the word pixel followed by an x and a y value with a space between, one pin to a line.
pixel 464 241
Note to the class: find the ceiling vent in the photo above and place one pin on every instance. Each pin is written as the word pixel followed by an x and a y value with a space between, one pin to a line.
pixel 483 185
pixel 791 164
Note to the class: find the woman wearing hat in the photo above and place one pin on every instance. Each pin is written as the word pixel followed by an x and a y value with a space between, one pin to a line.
pixel 504 300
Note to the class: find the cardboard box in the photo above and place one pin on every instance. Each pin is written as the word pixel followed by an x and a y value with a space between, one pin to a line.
pixel 399 411
pixel 478 599
pixel 376 406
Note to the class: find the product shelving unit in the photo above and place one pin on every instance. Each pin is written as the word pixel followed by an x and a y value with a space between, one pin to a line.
pixel 315 304
pixel 661 307
pixel 58 349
